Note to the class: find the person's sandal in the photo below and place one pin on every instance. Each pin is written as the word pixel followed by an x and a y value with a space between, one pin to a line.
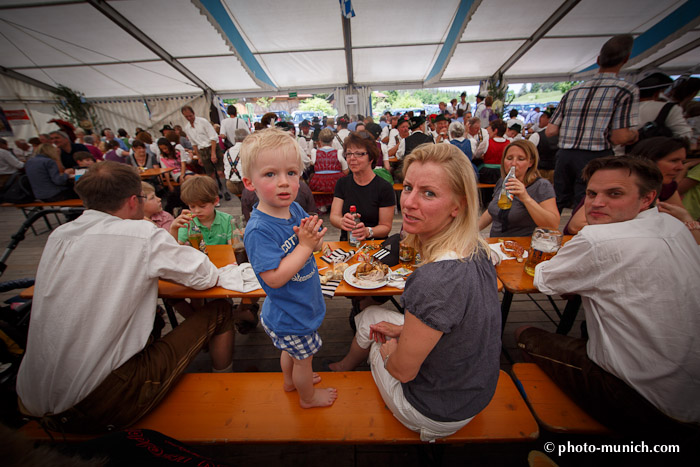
pixel 245 327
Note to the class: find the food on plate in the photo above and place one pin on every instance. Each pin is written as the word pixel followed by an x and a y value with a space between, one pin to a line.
pixel 334 274
pixel 513 249
pixel 371 271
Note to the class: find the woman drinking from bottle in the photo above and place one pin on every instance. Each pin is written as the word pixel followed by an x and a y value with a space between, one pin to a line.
pixel 533 202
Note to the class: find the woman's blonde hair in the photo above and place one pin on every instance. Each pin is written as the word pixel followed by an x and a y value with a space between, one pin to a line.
pixel 530 150
pixel 53 152
pixel 462 234
pixel 269 138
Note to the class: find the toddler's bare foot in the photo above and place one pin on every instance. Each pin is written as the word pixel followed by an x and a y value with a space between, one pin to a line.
pixel 322 398
pixel 290 387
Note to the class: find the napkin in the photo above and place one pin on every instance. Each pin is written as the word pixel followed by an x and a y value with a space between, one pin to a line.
pixel 240 278
pixel 338 255
pixel 328 289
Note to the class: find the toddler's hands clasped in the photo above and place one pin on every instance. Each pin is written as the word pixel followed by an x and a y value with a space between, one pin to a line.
pixel 310 232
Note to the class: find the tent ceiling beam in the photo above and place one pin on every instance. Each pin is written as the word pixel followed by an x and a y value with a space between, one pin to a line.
pixel 26 79
pixel 557 16
pixel 39 4
pixel 674 25
pixel 464 12
pixel 137 34
pixel 670 56
pixel 218 16
pixel 347 40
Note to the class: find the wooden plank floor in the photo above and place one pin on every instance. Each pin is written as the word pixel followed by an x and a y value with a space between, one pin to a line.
pixel 255 352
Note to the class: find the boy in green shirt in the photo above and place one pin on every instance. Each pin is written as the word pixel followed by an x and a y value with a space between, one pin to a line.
pixel 202 195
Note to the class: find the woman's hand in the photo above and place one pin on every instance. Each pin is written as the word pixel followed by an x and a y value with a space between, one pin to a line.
pixel 517 188
pixel 360 231
pixel 388 348
pixel 347 223
pixel 379 332
pixel 678 212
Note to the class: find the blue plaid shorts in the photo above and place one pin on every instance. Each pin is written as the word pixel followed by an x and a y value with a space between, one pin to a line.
pixel 299 347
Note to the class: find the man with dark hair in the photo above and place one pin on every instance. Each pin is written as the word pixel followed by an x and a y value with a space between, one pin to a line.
pixel 636 270
pixel 91 364
pixel 61 140
pixel 206 144
pixel 592 118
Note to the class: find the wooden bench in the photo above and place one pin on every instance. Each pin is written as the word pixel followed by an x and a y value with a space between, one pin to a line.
pixel 211 408
pixel 554 410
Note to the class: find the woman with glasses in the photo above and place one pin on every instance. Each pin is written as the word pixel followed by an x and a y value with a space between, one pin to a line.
pixel 371 195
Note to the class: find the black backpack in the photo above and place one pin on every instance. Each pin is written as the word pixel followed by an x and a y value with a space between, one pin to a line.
pixel 17 190
pixel 655 128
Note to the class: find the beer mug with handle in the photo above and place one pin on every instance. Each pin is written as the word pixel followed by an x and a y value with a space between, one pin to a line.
pixel 544 245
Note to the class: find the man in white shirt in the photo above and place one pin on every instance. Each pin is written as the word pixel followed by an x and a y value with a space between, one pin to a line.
pixel 463 104
pixel 479 137
pixel 91 363
pixel 232 123
pixel 205 142
pixel 9 164
pixel 22 151
pixel 636 270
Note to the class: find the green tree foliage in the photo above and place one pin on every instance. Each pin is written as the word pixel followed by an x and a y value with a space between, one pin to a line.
pixel 265 102
pixel 317 103
pixel 406 100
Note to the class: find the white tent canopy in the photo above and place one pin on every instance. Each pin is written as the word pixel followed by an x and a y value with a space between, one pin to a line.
pixel 237 48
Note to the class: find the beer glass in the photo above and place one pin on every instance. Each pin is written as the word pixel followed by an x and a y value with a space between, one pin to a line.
pixel 544 245
pixel 406 253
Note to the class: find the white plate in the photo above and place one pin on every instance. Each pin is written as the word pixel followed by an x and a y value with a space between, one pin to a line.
pixel 349 276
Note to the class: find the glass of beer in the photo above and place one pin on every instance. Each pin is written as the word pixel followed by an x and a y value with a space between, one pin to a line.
pixel 544 245
pixel 406 253
pixel 194 235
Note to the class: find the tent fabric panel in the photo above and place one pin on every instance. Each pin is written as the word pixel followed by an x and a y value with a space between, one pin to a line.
pixel 305 68
pixel 11 89
pixel 564 56
pixel 605 17
pixel 97 39
pixel 393 64
pixel 273 26
pixel 131 113
pixel 377 23
pixel 152 78
pixel 479 60
pixel 668 48
pixel 506 19
pixel 176 25
pixel 221 72
pixel 688 60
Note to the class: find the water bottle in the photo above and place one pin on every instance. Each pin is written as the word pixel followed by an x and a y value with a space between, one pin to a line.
pixel 505 199
pixel 351 238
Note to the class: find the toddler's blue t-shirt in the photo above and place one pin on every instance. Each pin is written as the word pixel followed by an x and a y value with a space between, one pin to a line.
pixel 296 308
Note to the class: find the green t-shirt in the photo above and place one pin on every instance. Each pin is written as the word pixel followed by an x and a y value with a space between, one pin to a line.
pixel 218 234
pixel 691 198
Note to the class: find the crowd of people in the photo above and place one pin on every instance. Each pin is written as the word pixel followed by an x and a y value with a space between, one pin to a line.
pixel 634 259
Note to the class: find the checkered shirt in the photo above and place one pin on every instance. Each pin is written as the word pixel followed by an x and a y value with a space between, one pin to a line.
pixel 589 111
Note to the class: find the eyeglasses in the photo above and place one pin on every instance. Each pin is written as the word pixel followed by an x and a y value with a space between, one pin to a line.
pixel 356 155
pixel 141 196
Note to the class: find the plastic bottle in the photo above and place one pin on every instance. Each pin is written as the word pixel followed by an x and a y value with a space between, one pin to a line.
pixel 351 238
pixel 505 199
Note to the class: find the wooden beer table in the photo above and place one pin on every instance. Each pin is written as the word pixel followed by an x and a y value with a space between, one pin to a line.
pixel 222 255
pixel 516 281
pixel 155 172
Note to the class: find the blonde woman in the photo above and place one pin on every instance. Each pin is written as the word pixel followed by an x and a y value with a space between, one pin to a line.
pixel 436 366
pixel 534 202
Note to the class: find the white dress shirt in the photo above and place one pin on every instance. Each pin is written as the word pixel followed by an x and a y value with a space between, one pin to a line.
pixel 639 284
pixel 230 125
pixel 95 302
pixel 201 134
